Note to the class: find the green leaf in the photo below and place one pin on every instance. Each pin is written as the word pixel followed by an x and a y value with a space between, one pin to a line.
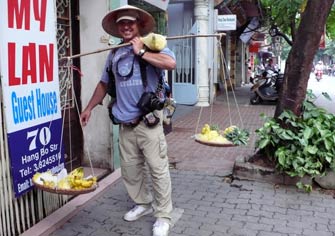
pixel 281 158
pixel 329 159
pixel 307 133
pixel 328 143
pixel 263 143
pixel 284 135
pixel 303 142
pixel 311 149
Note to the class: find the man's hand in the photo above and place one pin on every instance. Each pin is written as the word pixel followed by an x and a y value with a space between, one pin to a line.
pixel 84 117
pixel 137 44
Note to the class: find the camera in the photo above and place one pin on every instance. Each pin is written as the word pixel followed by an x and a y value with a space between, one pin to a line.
pixel 151 119
pixel 149 102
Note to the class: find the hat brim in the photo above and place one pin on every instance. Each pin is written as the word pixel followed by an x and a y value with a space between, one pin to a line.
pixel 146 21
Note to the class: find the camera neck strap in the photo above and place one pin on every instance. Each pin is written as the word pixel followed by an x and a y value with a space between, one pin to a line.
pixel 143 70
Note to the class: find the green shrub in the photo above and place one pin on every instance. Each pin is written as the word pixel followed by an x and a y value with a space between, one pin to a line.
pixel 303 145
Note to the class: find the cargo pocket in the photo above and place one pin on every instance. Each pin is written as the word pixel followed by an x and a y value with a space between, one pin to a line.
pixel 162 146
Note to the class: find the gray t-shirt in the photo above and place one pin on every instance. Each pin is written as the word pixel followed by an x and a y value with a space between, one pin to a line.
pixel 129 87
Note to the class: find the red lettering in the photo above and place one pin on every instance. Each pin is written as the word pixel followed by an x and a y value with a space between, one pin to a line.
pixel 29 63
pixel 19 14
pixel 12 80
pixel 46 63
pixel 40 13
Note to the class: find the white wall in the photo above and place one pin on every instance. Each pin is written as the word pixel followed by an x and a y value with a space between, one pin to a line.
pixel 97 134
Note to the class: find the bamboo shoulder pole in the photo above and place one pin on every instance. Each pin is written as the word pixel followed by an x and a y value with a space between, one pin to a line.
pixel 127 44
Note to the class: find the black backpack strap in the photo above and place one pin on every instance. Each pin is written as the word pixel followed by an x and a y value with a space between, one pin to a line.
pixel 111 89
pixel 143 70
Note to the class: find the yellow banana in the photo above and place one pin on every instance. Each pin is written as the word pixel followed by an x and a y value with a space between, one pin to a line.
pixel 155 42
pixel 87 183
pixel 64 184
pixel 78 172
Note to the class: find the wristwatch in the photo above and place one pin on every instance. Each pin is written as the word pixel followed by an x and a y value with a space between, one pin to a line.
pixel 141 52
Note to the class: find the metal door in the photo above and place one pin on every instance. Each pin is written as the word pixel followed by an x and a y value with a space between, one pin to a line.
pixel 184 86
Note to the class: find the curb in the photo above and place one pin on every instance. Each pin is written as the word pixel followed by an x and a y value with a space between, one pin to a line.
pixel 58 218
pixel 246 170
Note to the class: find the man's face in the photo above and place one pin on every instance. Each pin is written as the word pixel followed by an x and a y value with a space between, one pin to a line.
pixel 128 29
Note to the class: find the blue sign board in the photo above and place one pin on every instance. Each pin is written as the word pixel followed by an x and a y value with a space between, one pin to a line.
pixel 35 149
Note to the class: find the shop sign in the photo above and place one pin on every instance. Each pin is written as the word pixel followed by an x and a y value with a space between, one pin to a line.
pixel 226 22
pixel 254 47
pixel 162 4
pixel 30 89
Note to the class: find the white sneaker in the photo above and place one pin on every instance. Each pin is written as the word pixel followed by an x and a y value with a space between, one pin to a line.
pixel 137 212
pixel 160 228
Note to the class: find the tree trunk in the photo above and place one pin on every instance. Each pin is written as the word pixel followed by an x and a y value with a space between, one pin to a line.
pixel 300 60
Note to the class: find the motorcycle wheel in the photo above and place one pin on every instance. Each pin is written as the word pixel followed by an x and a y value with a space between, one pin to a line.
pixel 255 99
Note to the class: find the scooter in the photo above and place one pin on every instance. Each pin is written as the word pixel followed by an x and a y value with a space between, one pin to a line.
pixel 318 75
pixel 267 88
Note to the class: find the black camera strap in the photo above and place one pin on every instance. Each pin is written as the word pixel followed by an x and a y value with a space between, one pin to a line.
pixel 143 70
pixel 111 88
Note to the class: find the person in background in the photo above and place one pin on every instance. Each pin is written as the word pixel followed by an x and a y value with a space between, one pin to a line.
pixel 319 67
pixel 142 141
pixel 270 65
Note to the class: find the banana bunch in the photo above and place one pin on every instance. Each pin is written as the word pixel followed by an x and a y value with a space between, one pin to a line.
pixel 82 183
pixel 74 180
pixel 205 129
pixel 155 42
pixel 77 173
pixel 63 184
pixel 212 134
pixel 77 181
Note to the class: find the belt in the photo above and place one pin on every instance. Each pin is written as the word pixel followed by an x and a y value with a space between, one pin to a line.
pixel 133 123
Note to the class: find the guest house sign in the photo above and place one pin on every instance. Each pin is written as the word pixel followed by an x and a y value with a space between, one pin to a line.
pixel 30 89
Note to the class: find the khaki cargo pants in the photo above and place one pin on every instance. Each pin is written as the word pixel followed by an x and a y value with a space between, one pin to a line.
pixel 144 150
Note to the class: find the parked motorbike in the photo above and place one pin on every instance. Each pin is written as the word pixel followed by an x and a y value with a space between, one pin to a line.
pixel 267 88
pixel 318 75
pixel 254 78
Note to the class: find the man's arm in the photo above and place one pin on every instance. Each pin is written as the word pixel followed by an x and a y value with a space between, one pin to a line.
pixel 159 60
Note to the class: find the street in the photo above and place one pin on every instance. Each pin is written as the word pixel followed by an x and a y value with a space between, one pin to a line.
pixel 327 84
